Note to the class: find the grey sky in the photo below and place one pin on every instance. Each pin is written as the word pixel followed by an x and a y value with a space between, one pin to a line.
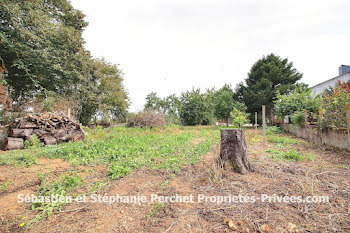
pixel 169 46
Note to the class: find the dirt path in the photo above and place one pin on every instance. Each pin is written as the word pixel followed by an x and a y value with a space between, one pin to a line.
pixel 323 176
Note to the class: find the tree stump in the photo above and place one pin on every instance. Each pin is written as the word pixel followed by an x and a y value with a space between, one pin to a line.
pixel 233 148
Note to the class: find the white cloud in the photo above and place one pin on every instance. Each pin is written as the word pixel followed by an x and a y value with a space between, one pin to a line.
pixel 170 46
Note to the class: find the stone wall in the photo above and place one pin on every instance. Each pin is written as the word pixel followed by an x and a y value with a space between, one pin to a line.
pixel 334 138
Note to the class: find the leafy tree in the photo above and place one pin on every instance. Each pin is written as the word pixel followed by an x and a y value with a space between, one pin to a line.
pixel 223 103
pixel 112 98
pixel 43 48
pixel 267 76
pixel 194 110
pixel 41 41
pixel 239 118
pixel 154 102
pixel 168 106
pixel 297 101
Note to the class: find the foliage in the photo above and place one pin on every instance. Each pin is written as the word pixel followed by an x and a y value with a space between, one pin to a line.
pixel 5 101
pixel 270 130
pixel 147 118
pixel 25 159
pixel 298 118
pixel 290 155
pixel 333 107
pixel 239 118
pixel 297 101
pixel 43 48
pixel 277 139
pixel 111 95
pixel 195 109
pixel 59 188
pixel 267 76
pixel 168 106
pixel 223 102
pixel 33 142
pixel 124 149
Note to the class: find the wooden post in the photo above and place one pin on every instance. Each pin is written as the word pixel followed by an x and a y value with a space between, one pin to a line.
pixel 256 121
pixel 264 123
pixel 69 112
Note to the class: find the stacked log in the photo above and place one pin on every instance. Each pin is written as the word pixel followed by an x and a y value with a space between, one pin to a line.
pixel 50 128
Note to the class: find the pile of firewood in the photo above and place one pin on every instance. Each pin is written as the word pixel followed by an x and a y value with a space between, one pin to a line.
pixel 50 128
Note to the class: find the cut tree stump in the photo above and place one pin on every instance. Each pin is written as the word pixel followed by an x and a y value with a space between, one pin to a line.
pixel 233 148
pixel 14 143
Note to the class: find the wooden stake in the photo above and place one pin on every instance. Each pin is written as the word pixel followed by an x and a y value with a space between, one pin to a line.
pixel 256 121
pixel 69 112
pixel 264 123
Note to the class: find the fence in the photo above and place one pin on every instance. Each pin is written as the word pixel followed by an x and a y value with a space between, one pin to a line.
pixel 334 138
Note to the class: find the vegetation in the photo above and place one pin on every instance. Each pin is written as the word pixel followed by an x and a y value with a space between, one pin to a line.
pixel 333 107
pixel 327 110
pixel 290 155
pixel 148 118
pixel 297 101
pixel 58 189
pixel 168 106
pixel 239 118
pixel 43 49
pixel 196 108
pixel 267 76
pixel 223 103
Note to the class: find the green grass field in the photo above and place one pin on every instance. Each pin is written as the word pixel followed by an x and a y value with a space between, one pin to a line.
pixel 125 149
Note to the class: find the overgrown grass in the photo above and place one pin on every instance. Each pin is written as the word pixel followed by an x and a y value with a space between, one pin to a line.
pixel 125 149
pixel 59 188
pixel 282 140
pixel 270 130
pixel 290 155
pixel 19 158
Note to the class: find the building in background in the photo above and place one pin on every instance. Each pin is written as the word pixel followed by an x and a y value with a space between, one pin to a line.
pixel 344 76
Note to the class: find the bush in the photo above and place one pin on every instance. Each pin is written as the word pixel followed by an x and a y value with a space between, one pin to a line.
pixel 298 118
pixel 147 118
pixel 333 107
pixel 297 101
pixel 239 118
pixel 33 142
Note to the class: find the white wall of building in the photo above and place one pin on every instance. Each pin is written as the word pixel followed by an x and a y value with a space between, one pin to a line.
pixel 319 88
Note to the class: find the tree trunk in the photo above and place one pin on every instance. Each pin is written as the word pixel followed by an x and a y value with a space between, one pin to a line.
pixel 234 149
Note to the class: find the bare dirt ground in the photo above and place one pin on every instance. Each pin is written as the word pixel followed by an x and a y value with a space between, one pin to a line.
pixel 327 175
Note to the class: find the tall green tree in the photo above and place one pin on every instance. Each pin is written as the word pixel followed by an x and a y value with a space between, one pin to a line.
pixel 42 45
pixel 154 102
pixel 223 103
pixel 267 76
pixel 194 109
pixel 112 96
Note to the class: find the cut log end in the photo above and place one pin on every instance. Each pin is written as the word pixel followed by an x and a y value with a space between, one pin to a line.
pixel 14 143
pixel 233 149
pixel 49 128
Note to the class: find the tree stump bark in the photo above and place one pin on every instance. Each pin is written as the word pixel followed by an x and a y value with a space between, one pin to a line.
pixel 233 148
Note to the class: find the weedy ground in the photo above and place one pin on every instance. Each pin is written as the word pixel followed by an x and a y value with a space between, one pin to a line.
pixel 169 161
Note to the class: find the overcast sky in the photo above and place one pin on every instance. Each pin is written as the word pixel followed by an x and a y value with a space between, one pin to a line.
pixel 169 46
